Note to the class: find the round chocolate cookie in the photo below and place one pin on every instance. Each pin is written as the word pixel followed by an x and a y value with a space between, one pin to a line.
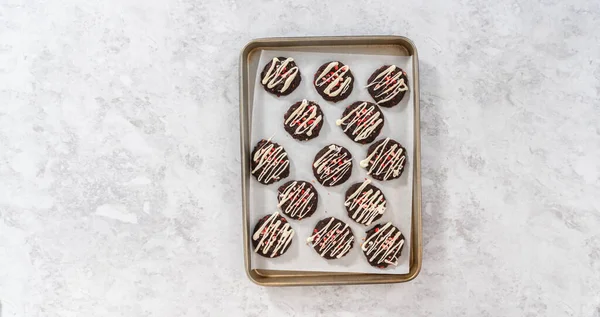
pixel 332 238
pixel 385 160
pixel 334 81
pixel 383 245
pixel 297 199
pixel 281 76
pixel 388 85
pixel 303 121
pixel 362 122
pixel 332 165
pixel 269 162
pixel 364 203
pixel 272 236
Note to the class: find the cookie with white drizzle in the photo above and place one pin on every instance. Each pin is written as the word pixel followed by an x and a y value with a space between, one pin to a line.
pixel 297 199
pixel 332 165
pixel 331 238
pixel 388 85
pixel 272 236
pixel 362 122
pixel 334 81
pixel 303 121
pixel 269 162
pixel 365 203
pixel 383 245
pixel 281 76
pixel 385 160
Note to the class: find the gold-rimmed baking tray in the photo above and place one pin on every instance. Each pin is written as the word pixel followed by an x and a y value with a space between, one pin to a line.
pixel 374 45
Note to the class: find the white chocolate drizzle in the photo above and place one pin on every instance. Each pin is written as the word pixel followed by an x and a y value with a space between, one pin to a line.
pixel 299 194
pixel 384 243
pixel 333 165
pixel 390 163
pixel 272 159
pixel 278 72
pixel 333 239
pixel 304 118
pixel 367 205
pixel 333 77
pixel 364 118
pixel 274 235
pixel 387 86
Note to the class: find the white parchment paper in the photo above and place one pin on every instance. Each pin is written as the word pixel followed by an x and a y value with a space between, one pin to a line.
pixel 267 121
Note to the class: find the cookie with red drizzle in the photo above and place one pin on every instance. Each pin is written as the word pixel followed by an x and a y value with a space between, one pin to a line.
pixel 334 81
pixel 362 122
pixel 383 245
pixel 385 160
pixel 332 165
pixel 365 203
pixel 269 162
pixel 388 85
pixel 297 199
pixel 272 236
pixel 331 238
pixel 303 121
pixel 281 76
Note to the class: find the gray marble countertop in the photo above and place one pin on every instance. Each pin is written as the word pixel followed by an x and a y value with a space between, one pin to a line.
pixel 119 163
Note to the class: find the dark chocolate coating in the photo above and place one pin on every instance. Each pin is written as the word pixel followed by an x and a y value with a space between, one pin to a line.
pixel 394 101
pixel 276 90
pixel 349 127
pixel 321 89
pixel 351 190
pixel 276 235
pixel 378 257
pixel 254 163
pixel 291 127
pixel 383 166
pixel 335 235
pixel 323 177
pixel 298 198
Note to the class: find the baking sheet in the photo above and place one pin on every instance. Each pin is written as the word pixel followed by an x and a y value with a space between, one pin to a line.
pixel 267 122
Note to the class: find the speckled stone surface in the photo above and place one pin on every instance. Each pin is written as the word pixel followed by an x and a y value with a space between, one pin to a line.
pixel 119 163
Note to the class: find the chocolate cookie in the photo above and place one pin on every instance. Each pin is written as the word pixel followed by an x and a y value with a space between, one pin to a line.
pixel 281 76
pixel 272 236
pixel 383 245
pixel 362 122
pixel 332 165
pixel 364 203
pixel 334 81
pixel 297 199
pixel 269 162
pixel 303 121
pixel 385 160
pixel 332 238
pixel 388 85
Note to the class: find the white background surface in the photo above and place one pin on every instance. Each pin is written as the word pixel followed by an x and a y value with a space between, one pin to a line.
pixel 267 121
pixel 119 157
